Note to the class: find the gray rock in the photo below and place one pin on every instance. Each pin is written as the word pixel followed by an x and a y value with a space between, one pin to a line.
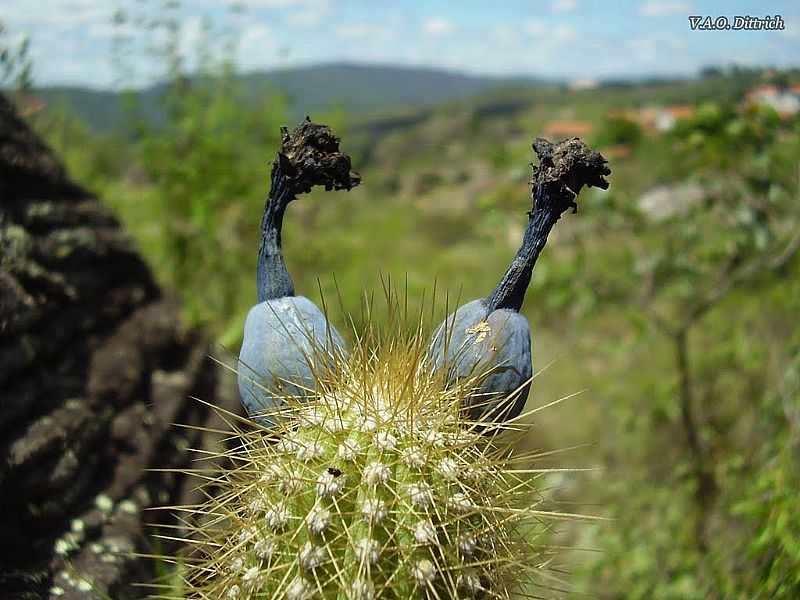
pixel 94 367
pixel 666 201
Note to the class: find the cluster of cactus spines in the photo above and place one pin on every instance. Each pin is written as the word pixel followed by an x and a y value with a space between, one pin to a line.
pixel 380 487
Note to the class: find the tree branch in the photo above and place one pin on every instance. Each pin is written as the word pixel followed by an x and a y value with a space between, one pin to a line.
pixel 718 292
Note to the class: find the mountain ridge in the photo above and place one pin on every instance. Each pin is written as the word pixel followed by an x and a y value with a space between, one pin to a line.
pixel 359 89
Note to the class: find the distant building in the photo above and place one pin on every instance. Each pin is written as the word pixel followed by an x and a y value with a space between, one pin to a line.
pixel 668 117
pixel 618 151
pixel 584 84
pixel 763 91
pixel 784 100
pixel 567 129
pixel 661 119
pixel 654 119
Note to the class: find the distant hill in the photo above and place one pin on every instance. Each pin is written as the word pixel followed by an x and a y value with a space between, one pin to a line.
pixel 358 89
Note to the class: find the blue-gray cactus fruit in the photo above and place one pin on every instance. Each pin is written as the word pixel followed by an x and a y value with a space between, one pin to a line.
pixel 476 340
pixel 287 338
pixel 489 336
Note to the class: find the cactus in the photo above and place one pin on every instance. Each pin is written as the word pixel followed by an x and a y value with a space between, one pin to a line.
pixel 380 487
pixel 384 476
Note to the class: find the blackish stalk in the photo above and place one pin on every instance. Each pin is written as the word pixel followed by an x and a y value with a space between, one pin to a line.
pixel 272 277
pixel 564 168
pixel 309 156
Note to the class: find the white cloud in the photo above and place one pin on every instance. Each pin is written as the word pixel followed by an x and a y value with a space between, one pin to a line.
pixel 59 13
pixel 258 48
pixel 362 30
pixel 658 8
pixel 304 18
pixel 548 34
pixel 563 33
pixel 319 7
pixel 532 47
pixel 109 30
pixel 564 5
pixel 192 35
pixel 644 50
pixel 504 36
pixel 438 26
pixel 534 27
pixel 269 3
pixel 651 49
pixel 792 27
pixel 306 13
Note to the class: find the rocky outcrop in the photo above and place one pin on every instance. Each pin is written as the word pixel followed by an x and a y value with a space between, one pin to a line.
pixel 95 366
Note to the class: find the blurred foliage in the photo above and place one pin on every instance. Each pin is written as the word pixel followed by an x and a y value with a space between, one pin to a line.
pixel 679 314
pixel 703 267
pixel 16 66
pixel 203 164
pixel 618 130
pixel 768 504
pixel 192 187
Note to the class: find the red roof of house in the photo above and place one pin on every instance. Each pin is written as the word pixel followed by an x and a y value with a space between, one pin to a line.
pixel 617 151
pixel 567 128
pixel 766 89
pixel 680 111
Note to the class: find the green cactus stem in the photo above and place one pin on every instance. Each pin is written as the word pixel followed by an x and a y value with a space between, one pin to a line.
pixel 378 488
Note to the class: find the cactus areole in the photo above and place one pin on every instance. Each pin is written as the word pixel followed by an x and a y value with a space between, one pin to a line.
pixel 367 477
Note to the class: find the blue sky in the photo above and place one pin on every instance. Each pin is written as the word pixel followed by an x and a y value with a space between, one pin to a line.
pixel 574 39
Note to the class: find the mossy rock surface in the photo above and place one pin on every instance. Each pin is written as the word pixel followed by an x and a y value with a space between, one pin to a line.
pixel 95 364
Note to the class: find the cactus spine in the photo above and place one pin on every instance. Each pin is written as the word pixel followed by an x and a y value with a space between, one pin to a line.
pixel 379 488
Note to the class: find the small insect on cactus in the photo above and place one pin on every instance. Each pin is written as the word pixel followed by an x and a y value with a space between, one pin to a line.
pixel 379 487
